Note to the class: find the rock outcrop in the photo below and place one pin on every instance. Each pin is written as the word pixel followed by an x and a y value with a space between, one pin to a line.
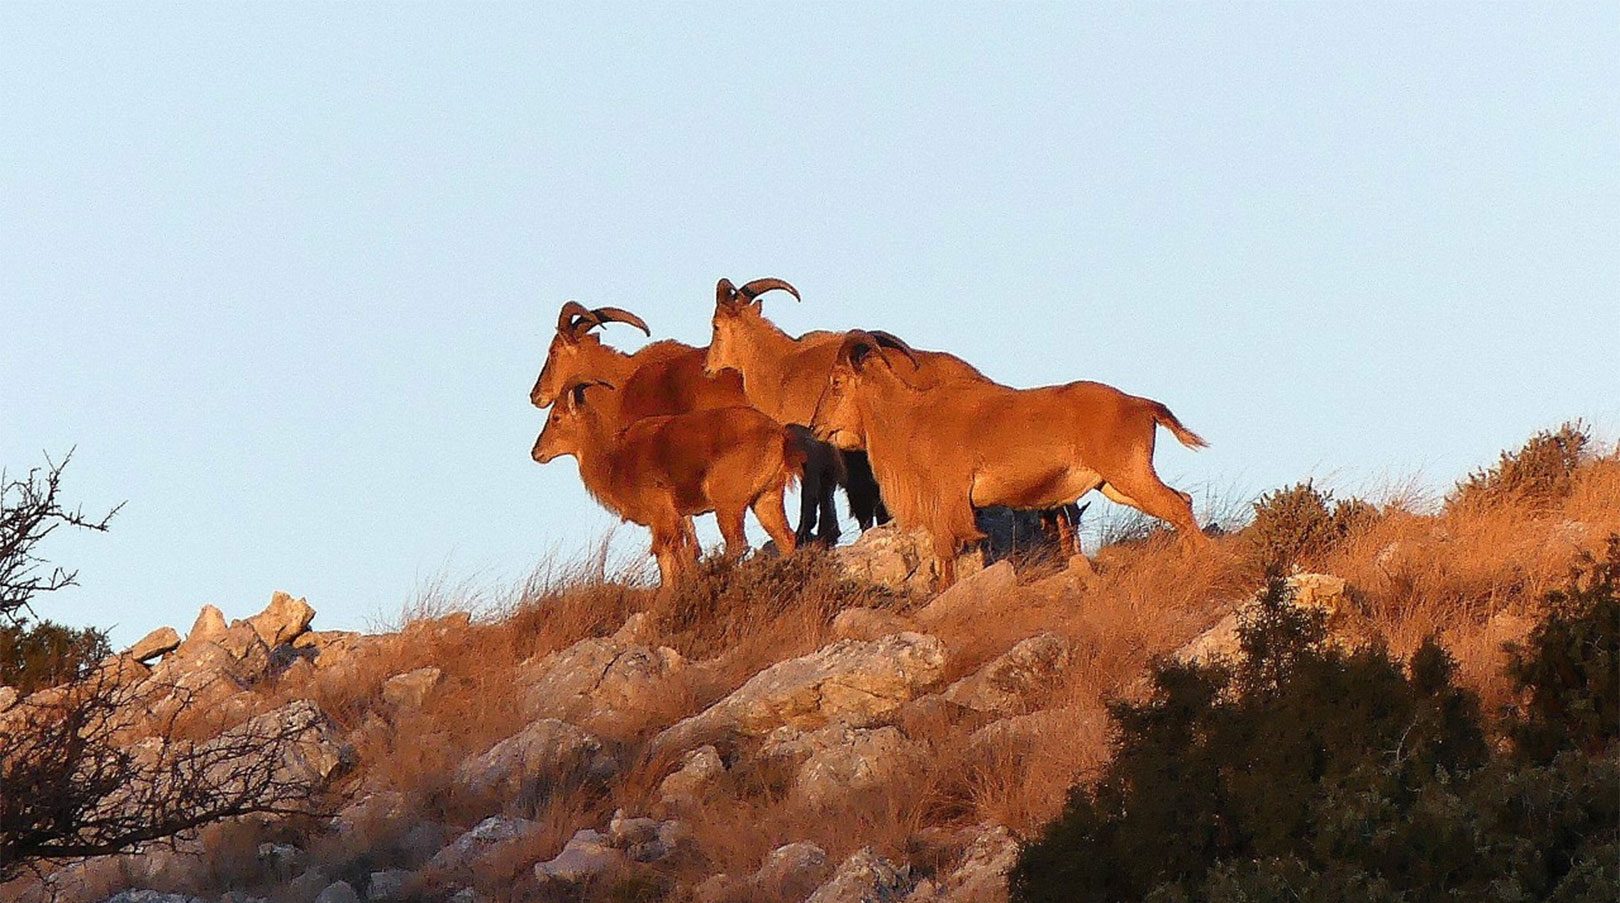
pixel 852 682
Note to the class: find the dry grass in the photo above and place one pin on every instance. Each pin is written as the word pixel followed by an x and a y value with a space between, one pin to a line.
pixel 1469 572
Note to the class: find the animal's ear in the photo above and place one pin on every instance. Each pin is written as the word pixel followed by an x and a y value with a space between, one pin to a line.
pixel 576 392
pixel 725 295
pixel 864 354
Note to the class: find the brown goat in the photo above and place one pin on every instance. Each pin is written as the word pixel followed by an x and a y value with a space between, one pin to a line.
pixel 667 377
pixel 939 452
pixel 661 471
pixel 783 376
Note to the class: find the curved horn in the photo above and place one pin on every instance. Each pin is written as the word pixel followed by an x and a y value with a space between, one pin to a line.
pixel 570 317
pixel 857 339
pixel 890 340
pixel 617 315
pixel 757 287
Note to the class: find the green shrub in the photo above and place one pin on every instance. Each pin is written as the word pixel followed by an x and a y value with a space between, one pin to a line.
pixel 44 654
pixel 1307 772
pixel 1543 469
pixel 1568 669
pixel 1300 521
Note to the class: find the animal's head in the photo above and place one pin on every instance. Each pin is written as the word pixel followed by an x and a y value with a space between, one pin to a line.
pixel 737 319
pixel 863 363
pixel 575 353
pixel 569 425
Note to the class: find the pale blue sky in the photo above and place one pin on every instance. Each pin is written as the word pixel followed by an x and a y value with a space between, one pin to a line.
pixel 284 273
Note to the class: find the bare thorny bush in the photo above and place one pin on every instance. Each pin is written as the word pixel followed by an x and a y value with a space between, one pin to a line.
pixel 74 785
pixel 82 773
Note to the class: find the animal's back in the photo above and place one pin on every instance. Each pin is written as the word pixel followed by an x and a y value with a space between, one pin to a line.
pixel 674 383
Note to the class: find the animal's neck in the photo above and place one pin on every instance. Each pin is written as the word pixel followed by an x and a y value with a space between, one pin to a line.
pixel 598 455
pixel 890 448
pixel 761 359
pixel 612 365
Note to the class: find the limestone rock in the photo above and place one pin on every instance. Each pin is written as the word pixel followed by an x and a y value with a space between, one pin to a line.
pixel 544 753
pixel 869 624
pixel 338 892
pixel 586 855
pixel 971 595
pixel 335 649
pixel 154 644
pixel 282 620
pixel 8 698
pixel 407 690
pixel 250 653
pixel 598 678
pixel 899 558
pixel 685 788
pixel 1324 592
pixel 387 885
pixel 150 896
pixel 1013 681
pixel 981 875
pixel 792 871
pixel 865 877
pixel 208 628
pixel 283 860
pixel 309 756
pixel 466 851
pixel 837 762
pixel 852 682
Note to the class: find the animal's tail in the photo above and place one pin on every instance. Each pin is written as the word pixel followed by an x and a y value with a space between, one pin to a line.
pixel 1185 436
pixel 795 451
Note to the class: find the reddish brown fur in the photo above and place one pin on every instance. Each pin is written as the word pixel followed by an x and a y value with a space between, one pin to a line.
pixel 939 452
pixel 661 471
pixel 667 377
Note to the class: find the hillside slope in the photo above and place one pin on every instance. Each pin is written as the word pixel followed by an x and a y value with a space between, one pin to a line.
pixel 810 728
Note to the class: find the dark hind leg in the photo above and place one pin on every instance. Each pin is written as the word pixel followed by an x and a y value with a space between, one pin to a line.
pixel 865 501
pixel 827 533
pixel 811 490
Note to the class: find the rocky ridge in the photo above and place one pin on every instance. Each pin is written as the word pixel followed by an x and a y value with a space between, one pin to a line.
pixel 832 724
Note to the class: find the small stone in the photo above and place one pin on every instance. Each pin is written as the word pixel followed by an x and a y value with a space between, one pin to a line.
pixel 282 620
pixel 338 892
pixel 1012 682
pixel 700 770
pixel 154 644
pixel 865 877
pixel 971 595
pixel 208 628
pixel 869 624
pixel 387 885
pixel 586 855
pixel 793 871
pixel 409 689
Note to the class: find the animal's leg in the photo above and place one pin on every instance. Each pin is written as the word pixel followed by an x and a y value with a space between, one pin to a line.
pixel 865 501
pixel 811 489
pixel 768 507
pixel 1068 523
pixel 664 554
pixel 945 550
pixel 1142 489
pixel 827 535
pixel 1113 494
pixel 731 527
